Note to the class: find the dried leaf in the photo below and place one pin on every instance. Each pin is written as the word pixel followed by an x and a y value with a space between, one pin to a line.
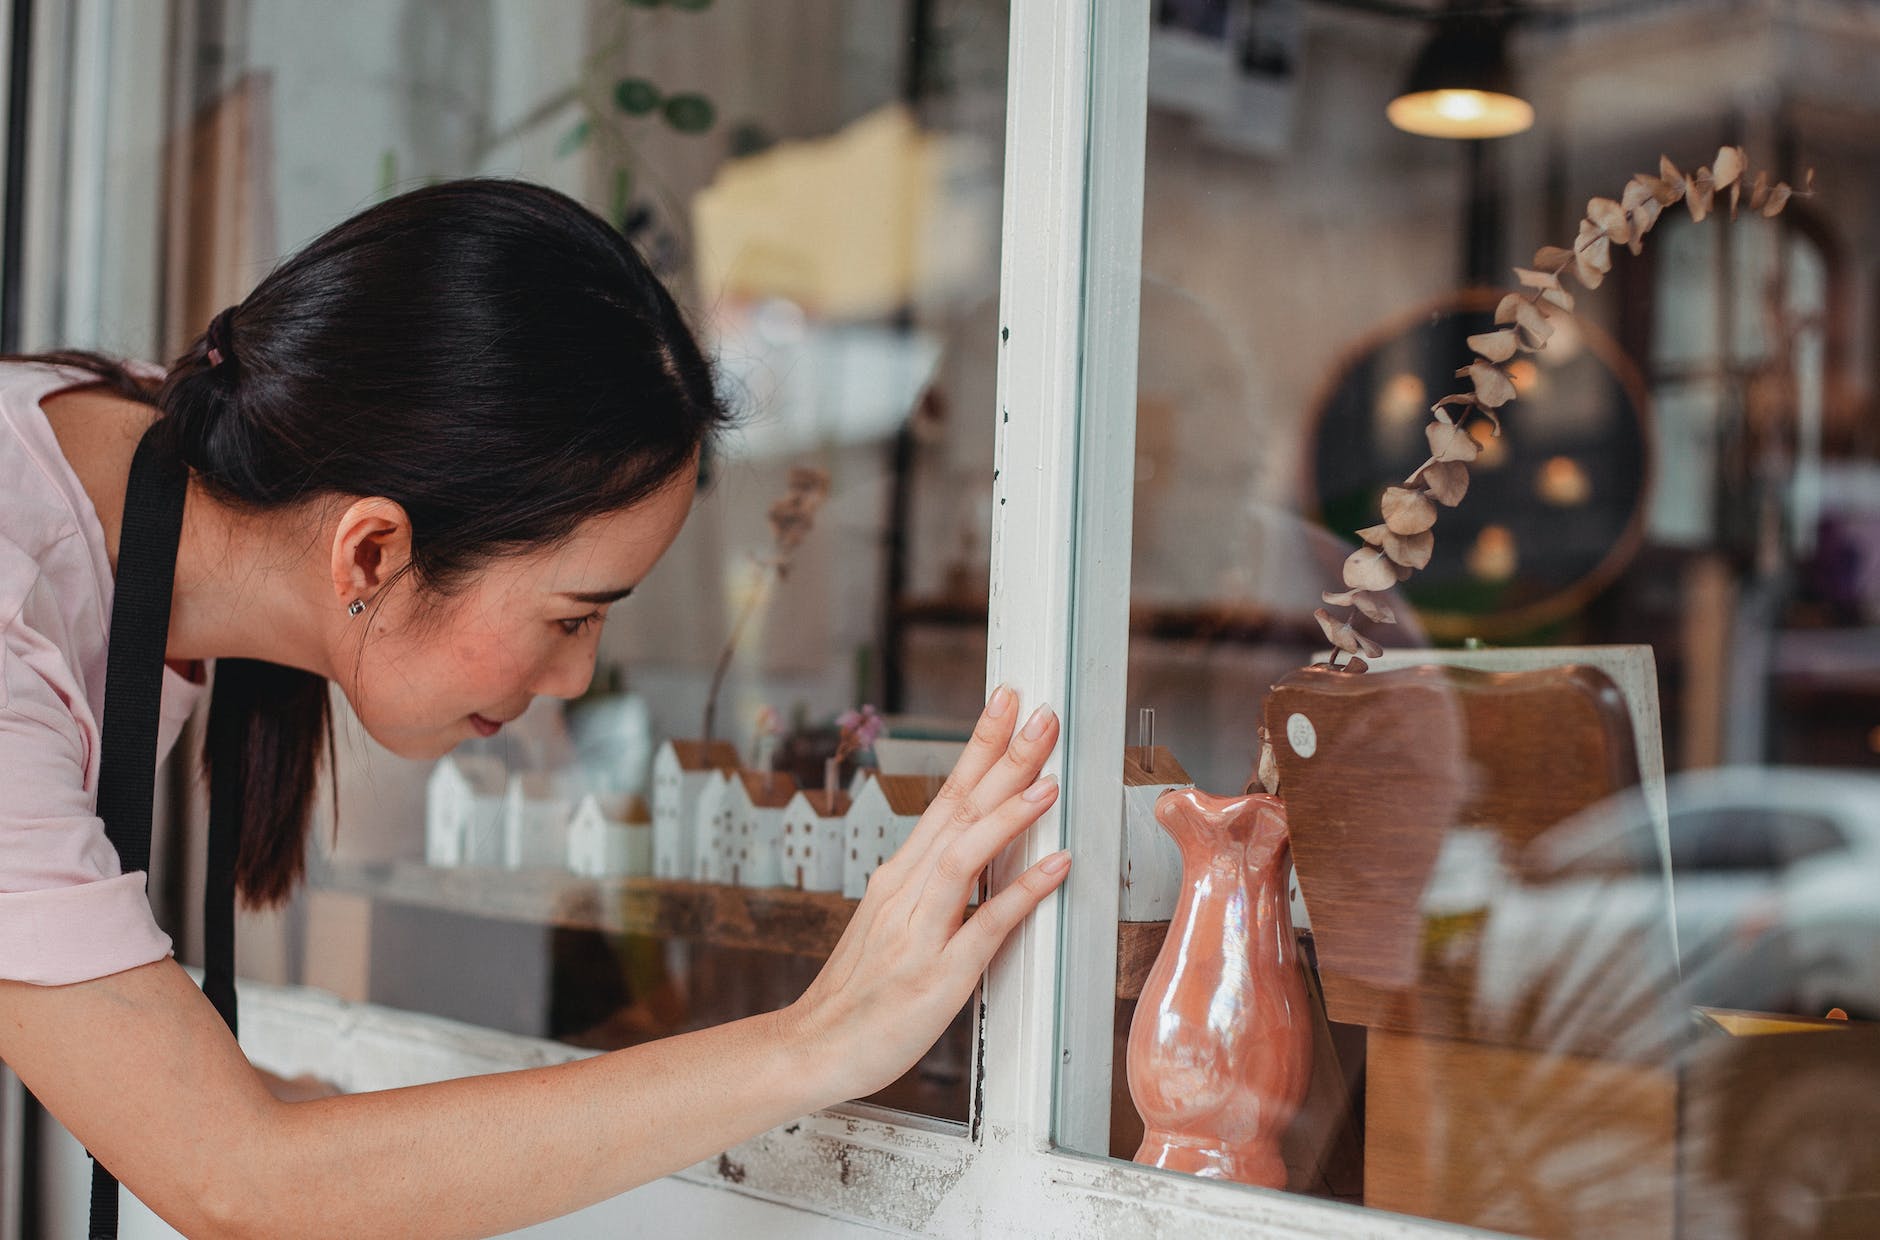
pixel 1494 420
pixel 1495 346
pixel 1552 257
pixel 1269 769
pixel 1368 603
pixel 1636 193
pixel 1368 569
pixel 1808 181
pixel 1728 168
pixel 1412 550
pixel 1644 218
pixel 1403 574
pixel 1609 217
pixel 1374 534
pixel 1698 195
pixel 1364 601
pixel 1357 666
pixel 1505 308
pixel 1778 199
pixel 1493 388
pixel 1559 297
pixel 1592 255
pixel 1454 398
pixel 1447 443
pixel 1537 279
pixel 1736 192
pixel 1759 193
pixel 1407 511
pixel 1534 326
pixel 1338 632
pixel 1448 482
pixel 1663 192
pixel 1669 172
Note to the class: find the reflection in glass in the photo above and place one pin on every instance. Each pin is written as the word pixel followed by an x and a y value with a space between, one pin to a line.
pixel 1558 991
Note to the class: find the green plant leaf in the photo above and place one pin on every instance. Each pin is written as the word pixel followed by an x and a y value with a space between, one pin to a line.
pixel 574 139
pixel 636 96
pixel 690 113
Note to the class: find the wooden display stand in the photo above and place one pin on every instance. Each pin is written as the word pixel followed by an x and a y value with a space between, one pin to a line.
pixel 1520 1084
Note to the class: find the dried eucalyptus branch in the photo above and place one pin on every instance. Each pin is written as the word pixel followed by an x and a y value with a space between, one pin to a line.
pixel 1405 539
pixel 791 519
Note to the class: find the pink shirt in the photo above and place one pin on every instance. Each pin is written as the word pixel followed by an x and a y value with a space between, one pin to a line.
pixel 67 911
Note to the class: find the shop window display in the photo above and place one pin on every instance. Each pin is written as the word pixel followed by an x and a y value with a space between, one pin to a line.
pixel 1573 922
pixel 1510 493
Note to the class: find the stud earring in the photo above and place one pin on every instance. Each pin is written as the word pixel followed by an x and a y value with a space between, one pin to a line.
pixel 355 607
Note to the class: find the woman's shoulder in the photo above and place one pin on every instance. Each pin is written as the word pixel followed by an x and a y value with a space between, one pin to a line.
pixel 54 574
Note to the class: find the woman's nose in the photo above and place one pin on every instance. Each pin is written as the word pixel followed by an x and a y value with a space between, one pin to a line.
pixel 568 673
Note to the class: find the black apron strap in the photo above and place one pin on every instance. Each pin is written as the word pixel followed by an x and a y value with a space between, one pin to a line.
pixel 133 696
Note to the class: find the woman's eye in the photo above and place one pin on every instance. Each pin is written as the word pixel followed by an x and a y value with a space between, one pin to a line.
pixel 579 624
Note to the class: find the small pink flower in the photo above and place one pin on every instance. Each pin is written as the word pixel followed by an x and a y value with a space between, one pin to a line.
pixel 860 729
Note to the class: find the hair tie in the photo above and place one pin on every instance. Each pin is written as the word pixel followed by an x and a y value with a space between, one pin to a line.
pixel 217 337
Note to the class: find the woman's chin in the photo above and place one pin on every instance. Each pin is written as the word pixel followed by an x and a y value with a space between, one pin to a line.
pixel 424 746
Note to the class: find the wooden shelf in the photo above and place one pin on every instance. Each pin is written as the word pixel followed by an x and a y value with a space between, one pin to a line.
pixel 772 919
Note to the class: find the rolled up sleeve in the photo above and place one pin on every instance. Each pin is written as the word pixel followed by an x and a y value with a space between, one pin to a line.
pixel 67 911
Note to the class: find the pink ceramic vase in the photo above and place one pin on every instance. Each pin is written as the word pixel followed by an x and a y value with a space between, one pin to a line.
pixel 1220 1050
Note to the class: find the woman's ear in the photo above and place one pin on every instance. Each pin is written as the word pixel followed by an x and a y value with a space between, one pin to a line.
pixel 371 545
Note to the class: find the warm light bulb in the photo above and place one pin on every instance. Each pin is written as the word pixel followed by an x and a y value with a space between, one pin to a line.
pixel 1493 557
pixel 1563 482
pixel 1460 105
pixel 1453 113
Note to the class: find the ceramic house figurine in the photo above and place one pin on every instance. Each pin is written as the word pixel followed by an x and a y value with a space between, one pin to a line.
pixel 681 770
pixel 755 841
pixel 880 821
pixel 535 822
pixel 1152 864
pixel 713 829
pixel 463 811
pixel 815 839
pixel 610 837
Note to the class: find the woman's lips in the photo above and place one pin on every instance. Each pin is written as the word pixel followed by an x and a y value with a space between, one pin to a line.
pixel 485 726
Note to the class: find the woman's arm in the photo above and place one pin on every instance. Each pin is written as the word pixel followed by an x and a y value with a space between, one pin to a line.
pixel 140 1068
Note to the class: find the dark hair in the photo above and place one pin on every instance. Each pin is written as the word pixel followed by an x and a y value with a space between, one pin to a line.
pixel 487 353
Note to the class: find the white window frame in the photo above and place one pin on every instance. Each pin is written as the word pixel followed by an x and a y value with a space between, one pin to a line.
pixel 1073 190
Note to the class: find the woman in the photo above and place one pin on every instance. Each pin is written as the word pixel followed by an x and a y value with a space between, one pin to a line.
pixel 425 456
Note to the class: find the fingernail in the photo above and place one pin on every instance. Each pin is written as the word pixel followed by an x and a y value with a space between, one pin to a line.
pixel 1039 721
pixel 1042 789
pixel 1056 863
pixel 999 703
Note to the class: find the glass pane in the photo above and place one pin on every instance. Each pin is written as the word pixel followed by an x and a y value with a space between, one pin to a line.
pixel 819 182
pixel 1513 944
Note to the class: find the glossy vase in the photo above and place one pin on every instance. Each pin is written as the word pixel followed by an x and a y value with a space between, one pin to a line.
pixel 1220 1050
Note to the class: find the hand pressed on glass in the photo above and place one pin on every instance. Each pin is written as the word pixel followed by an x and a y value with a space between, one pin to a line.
pixel 910 957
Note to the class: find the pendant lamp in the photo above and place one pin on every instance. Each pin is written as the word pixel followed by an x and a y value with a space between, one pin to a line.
pixel 1461 86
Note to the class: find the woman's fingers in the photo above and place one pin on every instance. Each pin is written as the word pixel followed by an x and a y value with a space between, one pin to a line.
pixel 1014 771
pixel 992 736
pixel 971 950
pixel 966 850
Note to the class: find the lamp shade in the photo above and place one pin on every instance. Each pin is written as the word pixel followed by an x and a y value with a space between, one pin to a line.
pixel 1461 87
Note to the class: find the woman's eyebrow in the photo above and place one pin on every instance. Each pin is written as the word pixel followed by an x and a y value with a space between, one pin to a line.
pixel 598 596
